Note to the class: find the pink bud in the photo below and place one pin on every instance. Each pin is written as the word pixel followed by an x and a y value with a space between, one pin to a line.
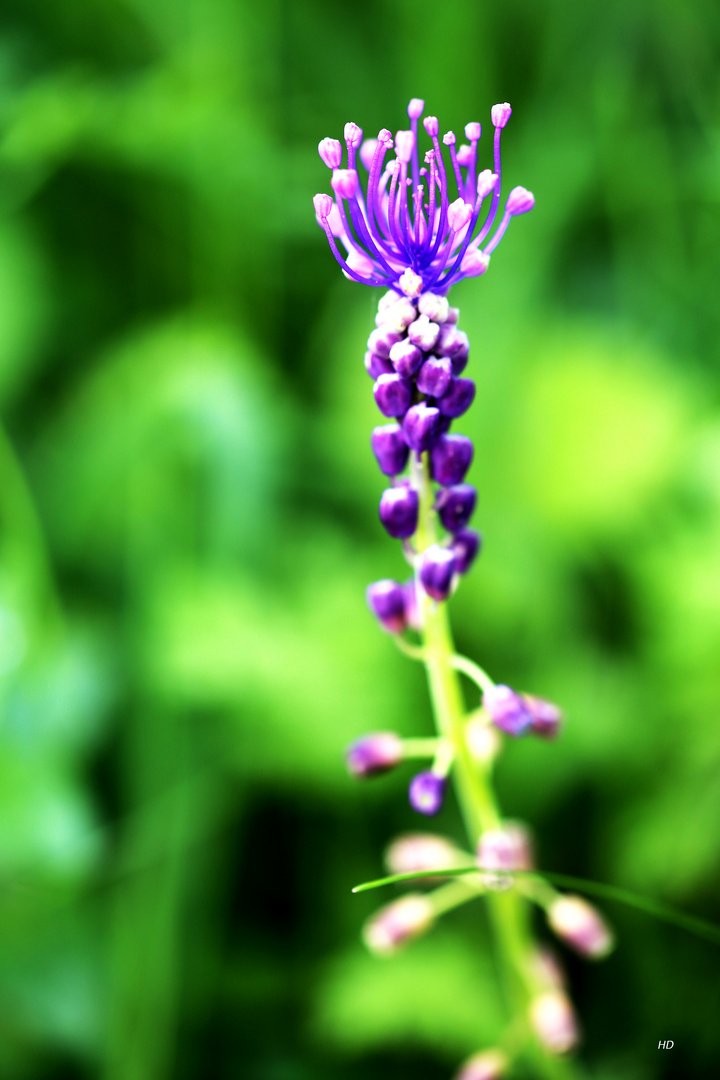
pixel 464 155
pixel 472 131
pixel 410 283
pixel 393 925
pixel 423 333
pixel 415 108
pixel 421 851
pixel 553 1019
pixel 581 926
pixel 449 138
pixel 367 152
pixel 500 114
pixel 344 183
pixel 431 125
pixel 474 263
pixel 486 181
pixel 507 848
pixel 459 213
pixel 330 151
pixel 404 142
pixel 385 137
pixel 360 263
pixel 335 221
pixel 487 1065
pixel 435 307
pixel 323 205
pixel 353 135
pixel 520 201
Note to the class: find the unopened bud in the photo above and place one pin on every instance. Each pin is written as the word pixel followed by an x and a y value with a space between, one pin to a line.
pixel 427 791
pixel 482 740
pixel 449 138
pixel 500 114
pixel 416 852
pixel 344 183
pixel 553 1020
pixel 507 710
pixel 581 926
pixel 486 181
pixel 323 204
pixel 520 200
pixel 436 571
pixel 353 135
pixel 386 600
pixel 330 150
pixel 431 125
pixel 374 754
pixel 410 283
pixel 464 155
pixel 415 108
pixel 459 213
pixel 423 333
pixel 367 152
pixel 435 307
pixel 504 849
pixel 404 142
pixel 472 131
pixel 546 717
pixel 390 927
pixel 487 1065
pixel 474 263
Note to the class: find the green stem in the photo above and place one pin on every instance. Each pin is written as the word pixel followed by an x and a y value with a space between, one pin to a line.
pixel 509 913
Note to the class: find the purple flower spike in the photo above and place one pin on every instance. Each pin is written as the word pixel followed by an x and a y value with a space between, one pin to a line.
pixel 420 425
pixel 390 449
pixel 406 358
pixel 436 571
pixel 399 511
pixel 466 545
pixel 507 710
pixel 386 600
pixel 376 366
pixel 434 376
pixel 392 395
pixel 408 231
pixel 546 717
pixel 458 398
pixel 427 792
pixel 374 754
pixel 455 506
pixel 450 458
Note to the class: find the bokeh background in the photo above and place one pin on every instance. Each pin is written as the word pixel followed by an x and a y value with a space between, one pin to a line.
pixel 188 523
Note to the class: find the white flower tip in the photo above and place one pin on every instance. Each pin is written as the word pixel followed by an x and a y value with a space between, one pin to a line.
pixel 472 131
pixel 353 135
pixel 474 263
pixel 486 182
pixel 500 114
pixel 459 213
pixel 344 183
pixel 520 200
pixel 415 108
pixel 323 204
pixel 431 125
pixel 410 283
pixel 404 143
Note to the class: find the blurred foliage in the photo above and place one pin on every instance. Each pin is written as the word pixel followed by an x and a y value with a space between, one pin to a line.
pixel 187 524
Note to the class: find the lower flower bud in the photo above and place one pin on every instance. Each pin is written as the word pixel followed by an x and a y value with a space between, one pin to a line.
pixel 546 717
pixel 386 600
pixel 390 927
pixel 436 571
pixel 415 852
pixel 553 1019
pixel 507 710
pixel 487 1065
pixel 374 754
pixel 390 449
pixel 504 849
pixel 581 926
pixel 427 791
pixel 450 458
pixel 399 511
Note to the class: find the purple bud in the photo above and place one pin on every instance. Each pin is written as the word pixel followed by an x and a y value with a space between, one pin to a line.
pixel 464 155
pixel 507 848
pixel 581 926
pixel 330 150
pixel 474 263
pixel 449 340
pixel 458 398
pixel 385 137
pixel 449 138
pixel 436 571
pixel 427 792
pixel 367 152
pixel 406 358
pixel 434 376
pixel 500 114
pixel 390 927
pixel 410 283
pixel 376 366
pixel 552 1017
pixel 420 426
pixel 450 458
pixel 431 125
pixel 322 204
pixel 353 135
pixel 390 449
pixel 546 717
pixel 344 183
pixel 507 710
pixel 459 213
pixel 466 544
pixel 486 181
pixel 520 200
pixel 455 506
pixel 374 754
pixel 386 600
pixel 399 511
pixel 487 1065
pixel 423 333
pixel 415 108
pixel 382 340
pixel 460 357
pixel 472 131
pixel 392 395
pixel 435 307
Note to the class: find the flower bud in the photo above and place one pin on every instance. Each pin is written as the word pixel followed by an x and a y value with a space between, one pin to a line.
pixel 410 283
pixel 322 204
pixel 458 398
pixel 404 143
pixel 464 155
pixel 455 505
pixel 367 152
pixel 344 183
pixel 392 395
pixel 473 131
pixel 397 316
pixel 399 511
pixel 374 754
pixel 459 213
pixel 330 150
pixel 520 200
pixel 390 449
pixel 415 108
pixel 500 114
pixel 423 333
pixel 427 791
pixel 353 135
pixel 449 138
pixel 466 545
pixel 436 571
pixel 386 600
pixel 434 376
pixel 431 125
pixel 382 340
pixel 449 340
pixel 393 925
pixel 376 366
pixel 507 710
pixel 450 459
pixel 482 740
pixel 406 358
pixel 504 849
pixel 487 1065
pixel 415 852
pixel 553 1020
pixel 474 263
pixel 546 717
pixel 412 608
pixel 581 926
pixel 435 307
pixel 486 182
pixel 420 425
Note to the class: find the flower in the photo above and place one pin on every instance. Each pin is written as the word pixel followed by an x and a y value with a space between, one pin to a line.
pixel 374 754
pixel 390 927
pixel 581 926
pixel 406 231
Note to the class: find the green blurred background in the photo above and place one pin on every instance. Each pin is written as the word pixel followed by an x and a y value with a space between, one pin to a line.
pixel 188 523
